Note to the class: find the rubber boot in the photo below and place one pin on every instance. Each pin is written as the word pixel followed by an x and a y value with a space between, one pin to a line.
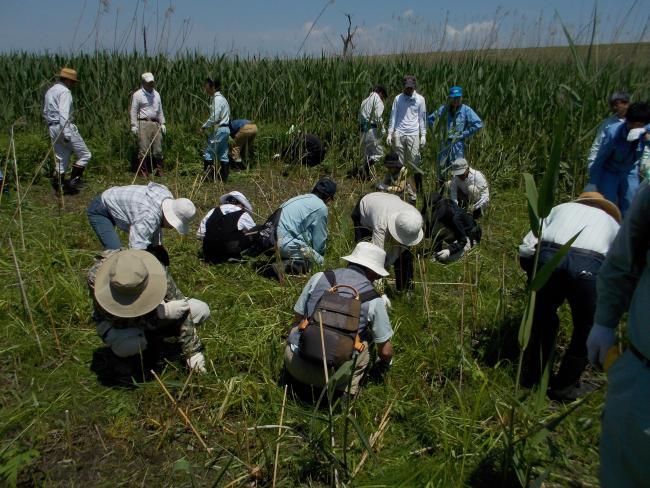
pixel 159 167
pixel 224 171
pixel 418 182
pixel 208 169
pixel 566 385
pixel 74 184
pixel 364 172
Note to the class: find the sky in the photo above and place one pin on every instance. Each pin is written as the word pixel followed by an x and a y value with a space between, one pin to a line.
pixel 289 28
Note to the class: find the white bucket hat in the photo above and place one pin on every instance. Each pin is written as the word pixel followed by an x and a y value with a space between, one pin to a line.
pixel 406 227
pixel 369 256
pixel 130 283
pixel 239 197
pixel 178 213
pixel 459 166
pixel 147 77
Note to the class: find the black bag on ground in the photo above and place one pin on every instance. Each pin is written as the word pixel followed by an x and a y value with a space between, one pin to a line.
pixel 264 236
pixel 340 319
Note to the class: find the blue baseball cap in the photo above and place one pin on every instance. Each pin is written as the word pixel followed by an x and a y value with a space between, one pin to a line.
pixel 455 91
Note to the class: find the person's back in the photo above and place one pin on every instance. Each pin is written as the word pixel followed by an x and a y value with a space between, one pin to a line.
pixel 298 217
pixel 376 210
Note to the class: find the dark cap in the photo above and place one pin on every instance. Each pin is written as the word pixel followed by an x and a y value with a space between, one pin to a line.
pixel 619 96
pixel 392 160
pixel 325 186
pixel 410 82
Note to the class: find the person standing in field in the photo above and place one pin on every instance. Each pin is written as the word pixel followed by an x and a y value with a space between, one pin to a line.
pixel 468 188
pixel 218 125
pixel 65 137
pixel 618 104
pixel 243 133
pixel 615 170
pixel 148 125
pixel 371 126
pixel 407 131
pixel 596 222
pixel 142 211
pixel 624 286
pixel 461 124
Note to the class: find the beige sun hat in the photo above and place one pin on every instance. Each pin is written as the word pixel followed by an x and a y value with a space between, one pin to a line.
pixel 369 256
pixel 459 166
pixel 68 74
pixel 406 227
pixel 239 197
pixel 147 77
pixel 595 199
pixel 130 283
pixel 179 212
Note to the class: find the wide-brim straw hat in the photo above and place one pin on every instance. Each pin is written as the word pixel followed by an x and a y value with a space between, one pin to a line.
pixel 595 199
pixel 369 256
pixel 130 283
pixel 68 74
pixel 406 227
pixel 239 196
pixel 179 212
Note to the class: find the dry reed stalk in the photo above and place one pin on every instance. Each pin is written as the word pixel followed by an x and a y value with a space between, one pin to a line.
pixel 277 446
pixel 329 402
pixel 19 207
pixel 375 437
pixel 54 332
pixel 182 413
pixel 137 171
pixel 23 294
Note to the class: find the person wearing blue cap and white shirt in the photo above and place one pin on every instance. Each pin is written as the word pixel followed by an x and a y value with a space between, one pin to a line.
pixel 462 123
pixel 468 188
pixel 407 130
pixel 615 171
pixel 218 124
pixel 624 286
pixel 618 104
pixel 302 228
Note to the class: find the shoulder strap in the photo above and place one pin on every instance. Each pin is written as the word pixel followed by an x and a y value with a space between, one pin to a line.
pixel 330 277
pixel 366 296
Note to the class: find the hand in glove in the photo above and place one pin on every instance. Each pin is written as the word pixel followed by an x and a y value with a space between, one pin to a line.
pixel 173 310
pixel 381 187
pixel 590 187
pixel 442 255
pixel 163 129
pixel 389 139
pixel 386 300
pixel 423 140
pixel 134 130
pixel 197 363
pixel 378 371
pixel 600 340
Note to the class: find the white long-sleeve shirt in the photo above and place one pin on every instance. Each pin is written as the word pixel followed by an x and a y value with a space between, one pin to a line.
pixel 408 115
pixel 219 112
pixel 474 178
pixel 245 221
pixel 566 220
pixel 371 111
pixel 146 105
pixel 57 107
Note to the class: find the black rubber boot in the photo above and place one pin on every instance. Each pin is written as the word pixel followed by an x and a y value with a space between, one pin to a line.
pixel 209 170
pixel 74 184
pixel 364 172
pixel 224 171
pixel 159 167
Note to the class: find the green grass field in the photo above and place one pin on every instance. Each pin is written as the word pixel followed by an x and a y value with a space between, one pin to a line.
pixel 449 408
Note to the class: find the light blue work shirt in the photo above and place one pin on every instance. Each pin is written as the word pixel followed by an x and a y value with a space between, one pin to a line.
pixel 219 112
pixel 616 154
pixel 595 146
pixel 303 228
pixel 460 126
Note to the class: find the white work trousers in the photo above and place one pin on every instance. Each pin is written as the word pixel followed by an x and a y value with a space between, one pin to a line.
pixel 65 145
pixel 371 143
pixel 407 149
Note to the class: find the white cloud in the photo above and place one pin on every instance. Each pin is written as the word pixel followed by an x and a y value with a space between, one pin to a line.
pixel 472 35
pixel 408 13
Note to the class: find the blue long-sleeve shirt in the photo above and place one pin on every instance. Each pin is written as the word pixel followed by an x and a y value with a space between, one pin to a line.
pixel 219 112
pixel 303 223
pixel 461 125
pixel 616 154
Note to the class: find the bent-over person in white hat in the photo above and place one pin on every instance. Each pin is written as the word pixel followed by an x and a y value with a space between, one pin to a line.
pixel 393 225
pixel 57 112
pixel 365 264
pixel 223 229
pixel 468 188
pixel 137 304
pixel 573 280
pixel 148 125
pixel 140 210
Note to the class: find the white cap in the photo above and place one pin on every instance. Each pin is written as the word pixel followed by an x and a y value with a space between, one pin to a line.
pixel 178 213
pixel 239 197
pixel 406 227
pixel 459 166
pixel 369 256
pixel 147 77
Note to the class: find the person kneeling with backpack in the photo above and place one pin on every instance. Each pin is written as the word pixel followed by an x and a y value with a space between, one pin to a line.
pixel 340 313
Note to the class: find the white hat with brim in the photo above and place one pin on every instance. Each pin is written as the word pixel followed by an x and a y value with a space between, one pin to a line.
pixel 406 227
pixel 178 213
pixel 130 283
pixel 239 197
pixel 369 256
pixel 147 77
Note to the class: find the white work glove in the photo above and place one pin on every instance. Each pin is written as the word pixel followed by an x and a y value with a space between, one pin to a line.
pixel 197 363
pixel 163 129
pixel 389 139
pixel 173 310
pixel 442 255
pixel 381 187
pixel 590 187
pixel 386 301
pixel 423 140
pixel 134 130
pixel 598 343
pixel 635 134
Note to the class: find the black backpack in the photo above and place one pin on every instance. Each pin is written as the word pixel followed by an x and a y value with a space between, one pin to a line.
pixel 222 239
pixel 264 237
pixel 340 319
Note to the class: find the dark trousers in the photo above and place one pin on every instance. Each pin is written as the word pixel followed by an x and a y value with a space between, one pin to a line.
pixel 574 280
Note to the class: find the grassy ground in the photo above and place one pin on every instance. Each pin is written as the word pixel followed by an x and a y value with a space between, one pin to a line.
pixel 440 419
